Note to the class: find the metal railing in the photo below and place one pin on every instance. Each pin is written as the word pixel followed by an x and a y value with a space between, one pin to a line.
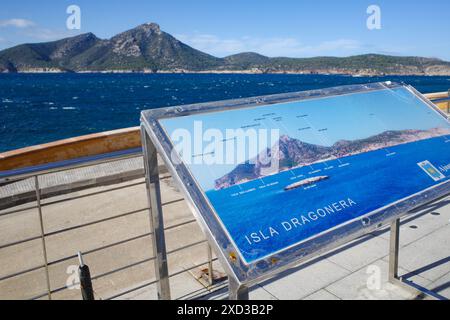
pixel 44 235
pixel 441 99
pixel 44 200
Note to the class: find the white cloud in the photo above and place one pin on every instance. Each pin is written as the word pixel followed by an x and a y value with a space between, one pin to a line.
pixel 29 31
pixel 17 23
pixel 273 47
pixel 43 34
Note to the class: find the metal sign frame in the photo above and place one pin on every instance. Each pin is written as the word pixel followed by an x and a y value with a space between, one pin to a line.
pixel 241 275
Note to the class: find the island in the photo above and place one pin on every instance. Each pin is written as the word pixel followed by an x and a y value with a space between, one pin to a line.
pixel 148 49
pixel 305 182
pixel 293 153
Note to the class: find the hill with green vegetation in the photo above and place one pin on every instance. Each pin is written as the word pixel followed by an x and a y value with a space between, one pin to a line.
pixel 148 49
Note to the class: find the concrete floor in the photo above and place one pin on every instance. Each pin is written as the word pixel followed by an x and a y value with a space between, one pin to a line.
pixel 350 272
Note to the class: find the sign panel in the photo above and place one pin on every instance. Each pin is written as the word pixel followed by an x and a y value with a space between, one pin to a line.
pixel 277 179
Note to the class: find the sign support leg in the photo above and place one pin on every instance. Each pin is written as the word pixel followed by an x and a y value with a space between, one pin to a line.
pixel 393 250
pixel 236 290
pixel 156 216
pixel 394 278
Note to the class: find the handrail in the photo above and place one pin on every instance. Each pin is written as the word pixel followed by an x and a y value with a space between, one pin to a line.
pixel 72 148
pixel 76 163
pixel 437 95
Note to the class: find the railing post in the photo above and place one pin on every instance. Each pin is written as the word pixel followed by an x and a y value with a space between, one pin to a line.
pixel 393 250
pixel 210 266
pixel 448 101
pixel 156 216
pixel 44 247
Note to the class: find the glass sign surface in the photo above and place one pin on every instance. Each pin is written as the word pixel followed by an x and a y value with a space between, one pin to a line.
pixel 276 175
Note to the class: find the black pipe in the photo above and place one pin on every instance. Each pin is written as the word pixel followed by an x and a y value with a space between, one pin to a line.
pixel 87 291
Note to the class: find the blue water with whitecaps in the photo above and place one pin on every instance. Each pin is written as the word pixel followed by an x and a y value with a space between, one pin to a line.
pixel 370 180
pixel 39 108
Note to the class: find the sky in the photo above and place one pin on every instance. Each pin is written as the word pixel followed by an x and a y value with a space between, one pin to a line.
pixel 346 117
pixel 295 28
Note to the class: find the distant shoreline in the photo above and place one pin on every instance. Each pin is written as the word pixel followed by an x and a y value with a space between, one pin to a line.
pixel 148 49
pixel 244 72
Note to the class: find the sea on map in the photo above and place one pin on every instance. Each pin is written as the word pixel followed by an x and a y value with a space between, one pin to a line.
pixel 338 158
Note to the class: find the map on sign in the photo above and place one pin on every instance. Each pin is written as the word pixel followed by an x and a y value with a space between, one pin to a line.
pixel 276 175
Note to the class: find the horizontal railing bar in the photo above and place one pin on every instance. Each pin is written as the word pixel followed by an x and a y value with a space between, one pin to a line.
pixel 439 100
pixel 103 191
pixel 133 289
pixel 73 198
pixel 100 248
pixel 172 202
pixel 53 291
pixel 17 210
pixel 190 268
pixel 54 191
pixel 91 223
pixel 134 264
pixel 114 217
pixel 16 274
pixel 180 224
pixel 87 163
pixel 94 222
pixel 186 246
pixel 87 195
pixel 11 244
pixel 155 281
pixel 75 256
pixel 45 204
pixel 63 288
pixel 39 296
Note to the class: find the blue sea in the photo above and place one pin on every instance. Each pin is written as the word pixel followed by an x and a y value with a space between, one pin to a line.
pixel 39 108
pixel 357 185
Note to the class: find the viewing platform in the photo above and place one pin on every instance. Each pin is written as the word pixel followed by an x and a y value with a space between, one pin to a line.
pixel 88 195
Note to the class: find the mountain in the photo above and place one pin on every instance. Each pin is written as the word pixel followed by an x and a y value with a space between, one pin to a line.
pixel 292 153
pixel 56 54
pixel 143 48
pixel 148 49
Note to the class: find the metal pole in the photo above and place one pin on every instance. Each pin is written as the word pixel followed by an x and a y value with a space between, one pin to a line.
pixel 393 250
pixel 156 216
pixel 44 247
pixel 448 102
pixel 210 265
pixel 394 278
pixel 236 291
pixel 87 290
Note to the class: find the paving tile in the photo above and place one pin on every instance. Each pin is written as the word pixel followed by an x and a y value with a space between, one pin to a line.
pixel 181 287
pixel 441 286
pixel 259 293
pixel 301 282
pixel 321 295
pixel 423 223
pixel 256 293
pixel 428 257
pixel 361 285
pixel 360 253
